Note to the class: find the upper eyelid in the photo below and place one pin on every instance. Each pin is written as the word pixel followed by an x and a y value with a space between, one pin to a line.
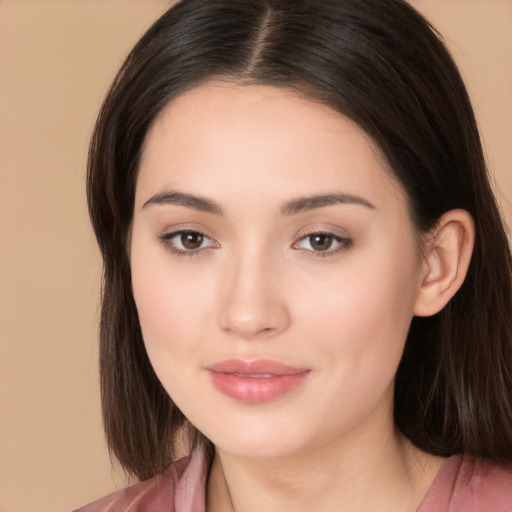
pixel 322 228
pixel 322 232
pixel 175 232
pixel 174 229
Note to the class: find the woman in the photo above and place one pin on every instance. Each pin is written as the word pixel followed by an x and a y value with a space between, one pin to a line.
pixel 307 280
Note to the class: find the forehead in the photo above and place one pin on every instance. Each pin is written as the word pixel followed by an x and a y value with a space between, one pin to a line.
pixel 240 136
pixel 251 107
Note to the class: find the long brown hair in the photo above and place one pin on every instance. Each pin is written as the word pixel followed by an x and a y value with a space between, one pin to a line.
pixel 380 63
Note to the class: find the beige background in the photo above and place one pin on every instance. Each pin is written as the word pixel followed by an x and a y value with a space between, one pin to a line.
pixel 56 60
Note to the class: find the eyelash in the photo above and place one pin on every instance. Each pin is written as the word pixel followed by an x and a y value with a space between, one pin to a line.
pixel 167 240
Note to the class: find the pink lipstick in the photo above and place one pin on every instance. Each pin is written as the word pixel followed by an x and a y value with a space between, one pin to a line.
pixel 255 381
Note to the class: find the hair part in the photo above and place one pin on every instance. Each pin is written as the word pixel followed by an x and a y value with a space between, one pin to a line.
pixel 381 64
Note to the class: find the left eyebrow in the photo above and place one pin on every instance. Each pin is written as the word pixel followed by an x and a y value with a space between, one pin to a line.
pixel 304 204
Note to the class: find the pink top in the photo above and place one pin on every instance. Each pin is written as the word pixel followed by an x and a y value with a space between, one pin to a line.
pixel 464 484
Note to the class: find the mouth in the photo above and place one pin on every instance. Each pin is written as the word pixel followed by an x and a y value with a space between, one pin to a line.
pixel 255 381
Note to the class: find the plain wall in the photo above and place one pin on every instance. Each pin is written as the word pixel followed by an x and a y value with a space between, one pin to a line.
pixel 57 58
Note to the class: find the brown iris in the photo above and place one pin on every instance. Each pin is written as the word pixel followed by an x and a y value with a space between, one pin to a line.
pixel 321 242
pixel 192 240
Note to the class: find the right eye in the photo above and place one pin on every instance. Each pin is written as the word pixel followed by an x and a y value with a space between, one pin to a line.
pixel 187 242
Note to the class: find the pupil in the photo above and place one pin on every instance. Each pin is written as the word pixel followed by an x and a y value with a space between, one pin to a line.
pixel 192 240
pixel 321 242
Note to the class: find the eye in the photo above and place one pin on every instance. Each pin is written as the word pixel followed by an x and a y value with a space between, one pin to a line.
pixel 322 242
pixel 187 241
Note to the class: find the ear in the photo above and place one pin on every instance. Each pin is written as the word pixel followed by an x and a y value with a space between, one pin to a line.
pixel 447 254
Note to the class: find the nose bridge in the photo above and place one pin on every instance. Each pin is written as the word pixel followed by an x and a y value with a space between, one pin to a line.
pixel 253 303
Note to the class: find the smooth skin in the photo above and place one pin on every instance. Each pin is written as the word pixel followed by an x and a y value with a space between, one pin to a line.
pixel 267 226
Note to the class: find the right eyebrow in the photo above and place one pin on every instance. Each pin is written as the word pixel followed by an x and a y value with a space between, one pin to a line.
pixel 182 199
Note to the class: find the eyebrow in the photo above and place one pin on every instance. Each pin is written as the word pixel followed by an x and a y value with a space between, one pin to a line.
pixel 293 207
pixel 181 199
pixel 305 204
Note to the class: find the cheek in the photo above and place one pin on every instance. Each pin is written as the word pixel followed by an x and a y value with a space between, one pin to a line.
pixel 172 328
pixel 172 304
pixel 363 313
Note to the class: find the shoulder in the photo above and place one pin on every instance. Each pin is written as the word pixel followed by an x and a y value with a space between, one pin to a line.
pixel 468 484
pixel 181 487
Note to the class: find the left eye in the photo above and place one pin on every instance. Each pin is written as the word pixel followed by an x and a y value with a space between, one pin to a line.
pixel 322 242
pixel 187 241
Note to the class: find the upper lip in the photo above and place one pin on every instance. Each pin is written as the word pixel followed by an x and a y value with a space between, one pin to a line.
pixel 254 368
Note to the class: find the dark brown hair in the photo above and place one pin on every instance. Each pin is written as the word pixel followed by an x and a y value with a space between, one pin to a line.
pixel 381 64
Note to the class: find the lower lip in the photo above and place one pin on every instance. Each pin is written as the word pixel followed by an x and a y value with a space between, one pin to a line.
pixel 255 390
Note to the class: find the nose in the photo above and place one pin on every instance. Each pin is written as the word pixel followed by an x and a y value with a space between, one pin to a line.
pixel 252 304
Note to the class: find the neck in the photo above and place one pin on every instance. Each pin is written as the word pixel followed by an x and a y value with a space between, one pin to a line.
pixel 388 474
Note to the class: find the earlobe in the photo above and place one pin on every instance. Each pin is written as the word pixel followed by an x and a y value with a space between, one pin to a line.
pixel 446 261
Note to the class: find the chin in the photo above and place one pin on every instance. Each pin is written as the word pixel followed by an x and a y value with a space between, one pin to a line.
pixel 259 438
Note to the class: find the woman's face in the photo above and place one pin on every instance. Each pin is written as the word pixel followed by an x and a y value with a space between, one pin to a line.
pixel 275 270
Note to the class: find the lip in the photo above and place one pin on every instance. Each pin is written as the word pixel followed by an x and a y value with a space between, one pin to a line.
pixel 256 381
